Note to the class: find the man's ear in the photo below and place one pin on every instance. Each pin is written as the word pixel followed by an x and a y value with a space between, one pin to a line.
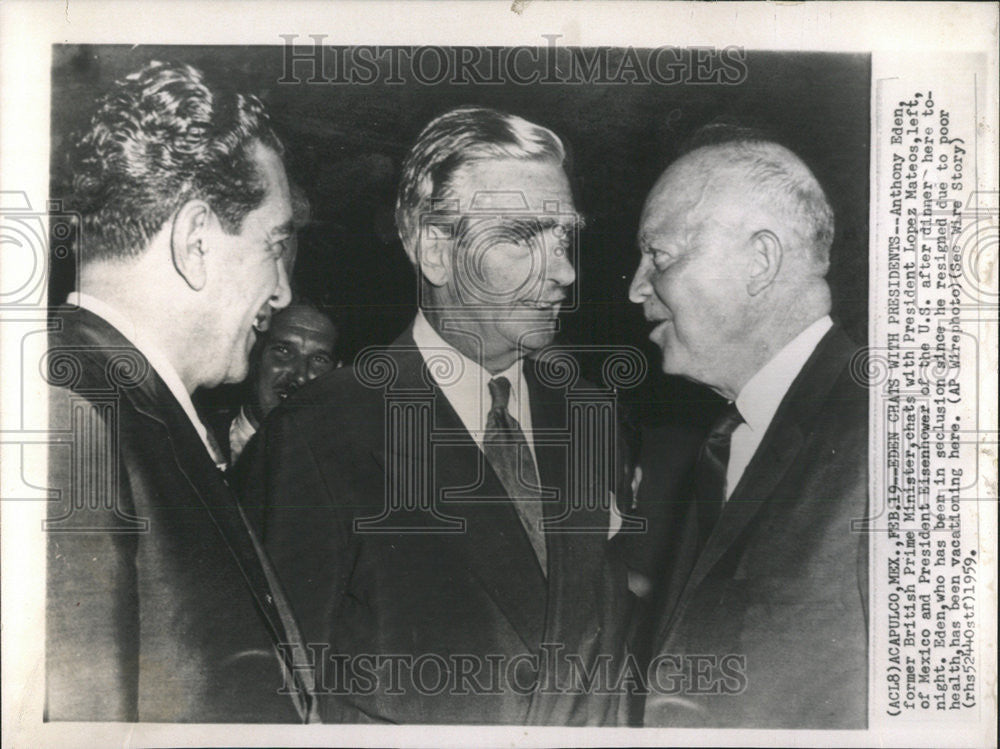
pixel 433 253
pixel 188 244
pixel 765 260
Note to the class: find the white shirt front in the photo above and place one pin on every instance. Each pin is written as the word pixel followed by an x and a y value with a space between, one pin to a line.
pixel 156 358
pixel 466 384
pixel 240 431
pixel 760 397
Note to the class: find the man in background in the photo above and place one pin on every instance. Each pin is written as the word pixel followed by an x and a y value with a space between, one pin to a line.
pixel 409 503
pixel 297 348
pixel 768 580
pixel 161 605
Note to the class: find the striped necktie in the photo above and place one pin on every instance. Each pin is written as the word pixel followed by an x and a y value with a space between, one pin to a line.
pixel 710 470
pixel 507 451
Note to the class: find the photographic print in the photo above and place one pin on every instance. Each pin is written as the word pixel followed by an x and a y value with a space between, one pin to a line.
pixel 534 384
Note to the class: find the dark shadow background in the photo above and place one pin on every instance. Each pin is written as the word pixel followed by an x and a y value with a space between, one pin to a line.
pixel 346 144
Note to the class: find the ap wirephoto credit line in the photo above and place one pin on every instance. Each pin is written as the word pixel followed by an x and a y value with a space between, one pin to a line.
pixel 525 381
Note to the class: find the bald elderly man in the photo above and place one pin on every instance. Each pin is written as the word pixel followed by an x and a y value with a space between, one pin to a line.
pixel 763 622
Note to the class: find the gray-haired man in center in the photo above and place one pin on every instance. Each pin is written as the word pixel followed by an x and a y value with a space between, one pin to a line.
pixel 486 610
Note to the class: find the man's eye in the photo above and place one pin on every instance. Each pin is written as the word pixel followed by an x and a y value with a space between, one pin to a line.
pixel 280 350
pixel 279 248
pixel 661 259
pixel 322 359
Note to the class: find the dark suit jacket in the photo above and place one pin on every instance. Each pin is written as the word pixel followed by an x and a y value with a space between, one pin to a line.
pixel 157 606
pixel 783 579
pixel 407 585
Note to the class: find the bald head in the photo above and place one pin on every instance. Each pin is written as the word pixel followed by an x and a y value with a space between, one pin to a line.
pixel 735 241
pixel 760 184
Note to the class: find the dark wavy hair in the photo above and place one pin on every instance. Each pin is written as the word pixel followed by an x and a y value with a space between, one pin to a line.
pixel 159 138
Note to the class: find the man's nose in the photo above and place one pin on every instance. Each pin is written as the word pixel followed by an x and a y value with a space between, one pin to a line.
pixel 282 295
pixel 560 266
pixel 315 369
pixel 640 288
pixel 300 371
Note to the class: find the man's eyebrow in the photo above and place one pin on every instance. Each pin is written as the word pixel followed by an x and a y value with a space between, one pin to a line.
pixel 289 336
pixel 281 232
pixel 649 242
pixel 547 222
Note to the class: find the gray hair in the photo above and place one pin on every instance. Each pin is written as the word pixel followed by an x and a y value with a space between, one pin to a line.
pixel 783 180
pixel 455 139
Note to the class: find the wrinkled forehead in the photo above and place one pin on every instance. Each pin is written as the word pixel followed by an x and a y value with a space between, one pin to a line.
pixel 510 186
pixel 699 189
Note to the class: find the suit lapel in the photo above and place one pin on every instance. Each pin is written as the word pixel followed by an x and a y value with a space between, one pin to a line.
pixel 776 453
pixel 493 544
pixel 549 425
pixel 153 399
pixel 209 485
pixel 769 464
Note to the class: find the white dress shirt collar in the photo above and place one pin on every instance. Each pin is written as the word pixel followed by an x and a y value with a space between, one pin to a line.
pixel 760 398
pixel 240 431
pixel 156 358
pixel 466 384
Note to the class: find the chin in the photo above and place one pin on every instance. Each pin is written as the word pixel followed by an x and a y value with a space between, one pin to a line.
pixel 670 365
pixel 236 375
pixel 538 339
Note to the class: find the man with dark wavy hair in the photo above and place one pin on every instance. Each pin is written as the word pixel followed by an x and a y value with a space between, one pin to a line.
pixel 161 605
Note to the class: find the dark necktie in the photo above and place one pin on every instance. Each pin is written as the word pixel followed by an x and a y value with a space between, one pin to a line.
pixel 710 470
pixel 507 451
